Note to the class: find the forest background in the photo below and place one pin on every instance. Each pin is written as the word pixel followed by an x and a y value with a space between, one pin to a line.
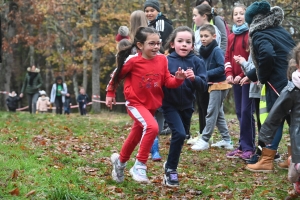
pixel 75 39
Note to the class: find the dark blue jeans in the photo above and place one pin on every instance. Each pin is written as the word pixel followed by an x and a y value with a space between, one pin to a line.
pixel 179 122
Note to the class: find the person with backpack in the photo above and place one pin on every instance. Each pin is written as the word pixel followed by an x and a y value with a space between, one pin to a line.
pixel 219 22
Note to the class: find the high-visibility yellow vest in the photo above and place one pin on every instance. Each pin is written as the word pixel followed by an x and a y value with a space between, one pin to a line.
pixel 263 112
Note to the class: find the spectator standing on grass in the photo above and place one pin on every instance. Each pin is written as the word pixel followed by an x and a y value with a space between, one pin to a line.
pixel 144 76
pixel 67 104
pixel 12 101
pixel 42 103
pixel 213 58
pixel 270 46
pixel 158 21
pixel 218 21
pixel 202 15
pixel 83 100
pixel 178 103
pixel 31 85
pixel 288 103
pixel 58 92
pixel 244 106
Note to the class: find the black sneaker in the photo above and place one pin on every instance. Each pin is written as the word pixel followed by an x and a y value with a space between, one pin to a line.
pixel 254 159
pixel 171 179
pixel 277 157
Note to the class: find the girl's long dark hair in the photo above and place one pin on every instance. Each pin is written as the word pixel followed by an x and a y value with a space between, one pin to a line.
pixel 140 36
pixel 173 35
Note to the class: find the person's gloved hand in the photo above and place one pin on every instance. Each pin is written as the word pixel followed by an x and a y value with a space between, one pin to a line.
pixel 36 112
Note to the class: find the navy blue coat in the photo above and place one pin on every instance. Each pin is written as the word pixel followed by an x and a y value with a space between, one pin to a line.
pixel 272 48
pixel 214 64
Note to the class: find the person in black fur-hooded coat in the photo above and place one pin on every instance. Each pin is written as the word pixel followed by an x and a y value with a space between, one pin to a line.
pixel 270 47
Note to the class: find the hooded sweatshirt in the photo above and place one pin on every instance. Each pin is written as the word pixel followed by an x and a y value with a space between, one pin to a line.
pixel 184 96
pixel 164 26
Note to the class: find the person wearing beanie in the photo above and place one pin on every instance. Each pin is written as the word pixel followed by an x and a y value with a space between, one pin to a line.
pixel 42 103
pixel 123 33
pixel 270 47
pixel 158 21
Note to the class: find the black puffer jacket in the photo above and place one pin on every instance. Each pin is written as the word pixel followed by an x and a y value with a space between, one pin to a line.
pixel 12 102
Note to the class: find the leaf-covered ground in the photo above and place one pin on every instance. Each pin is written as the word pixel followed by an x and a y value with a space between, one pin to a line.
pixel 49 156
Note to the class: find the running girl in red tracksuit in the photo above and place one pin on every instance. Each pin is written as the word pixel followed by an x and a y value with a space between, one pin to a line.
pixel 144 76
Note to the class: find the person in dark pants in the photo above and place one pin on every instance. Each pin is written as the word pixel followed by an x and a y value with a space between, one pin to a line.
pixel 58 92
pixel 32 82
pixel 83 100
pixel 67 104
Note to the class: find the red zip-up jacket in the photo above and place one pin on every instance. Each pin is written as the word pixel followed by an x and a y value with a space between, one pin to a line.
pixel 144 80
pixel 237 45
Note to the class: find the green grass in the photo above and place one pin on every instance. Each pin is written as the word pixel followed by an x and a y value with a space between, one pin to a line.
pixel 68 157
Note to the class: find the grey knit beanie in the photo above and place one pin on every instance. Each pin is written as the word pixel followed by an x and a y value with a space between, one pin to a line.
pixel 123 31
pixel 152 3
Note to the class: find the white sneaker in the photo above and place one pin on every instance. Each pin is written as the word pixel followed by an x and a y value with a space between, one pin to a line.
pixel 224 144
pixel 200 145
pixel 193 141
pixel 118 168
pixel 139 172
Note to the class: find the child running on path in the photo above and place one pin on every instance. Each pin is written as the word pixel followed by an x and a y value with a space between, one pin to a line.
pixel 178 103
pixel 214 63
pixel 144 76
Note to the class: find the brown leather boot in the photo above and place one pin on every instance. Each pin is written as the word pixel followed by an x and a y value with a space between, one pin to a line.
pixel 284 164
pixel 265 163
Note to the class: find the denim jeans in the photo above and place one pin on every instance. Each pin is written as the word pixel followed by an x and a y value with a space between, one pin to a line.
pixel 277 137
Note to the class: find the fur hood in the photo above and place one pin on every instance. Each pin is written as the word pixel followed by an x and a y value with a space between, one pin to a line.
pixel 37 70
pixel 261 22
pixel 271 19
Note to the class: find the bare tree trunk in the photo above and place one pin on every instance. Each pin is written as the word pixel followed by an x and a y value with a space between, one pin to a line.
pixel 96 55
pixel 85 62
pixel 48 78
pixel 75 83
pixel 31 55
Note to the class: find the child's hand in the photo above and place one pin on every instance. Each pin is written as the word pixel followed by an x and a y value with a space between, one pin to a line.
pixel 229 79
pixel 180 74
pixel 237 79
pixel 239 59
pixel 110 101
pixel 21 95
pixel 244 80
pixel 190 74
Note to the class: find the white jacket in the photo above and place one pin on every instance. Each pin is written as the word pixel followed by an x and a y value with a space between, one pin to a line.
pixel 63 92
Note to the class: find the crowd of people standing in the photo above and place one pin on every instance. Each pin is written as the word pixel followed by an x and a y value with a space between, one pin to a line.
pixel 205 62
pixel 166 70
